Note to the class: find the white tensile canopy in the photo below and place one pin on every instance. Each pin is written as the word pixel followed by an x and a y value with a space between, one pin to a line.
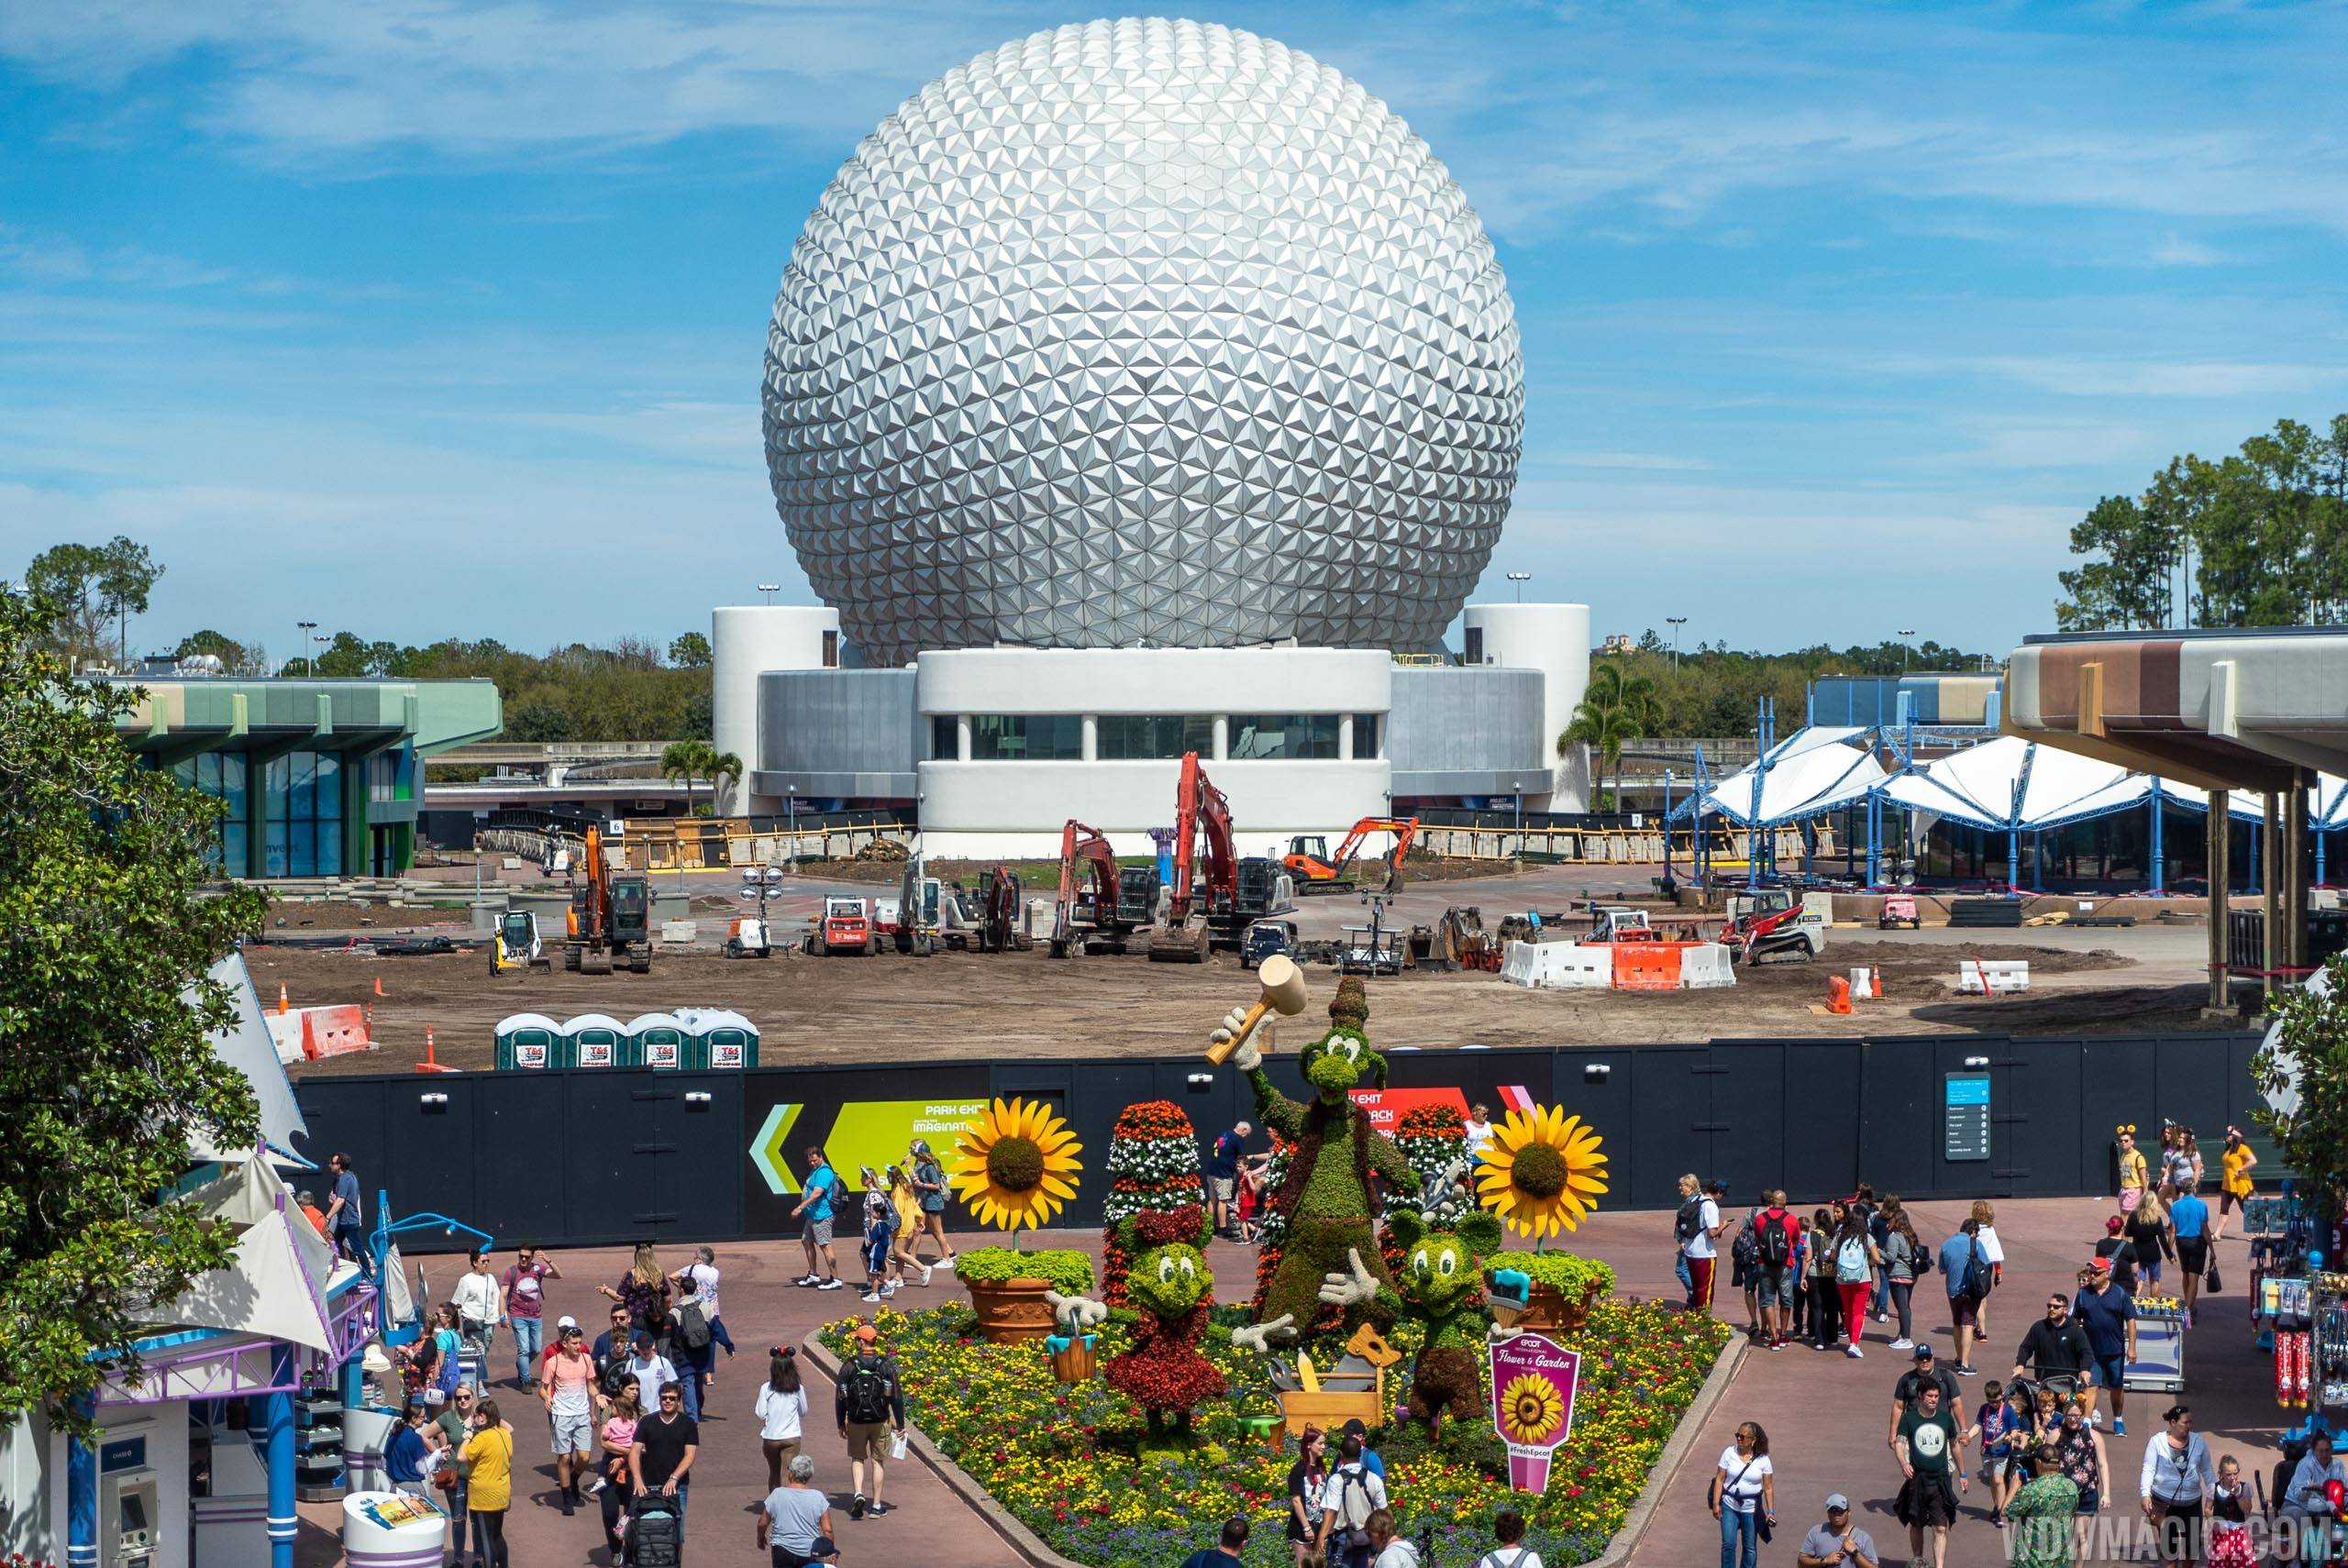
pixel 2013 785
pixel 1808 774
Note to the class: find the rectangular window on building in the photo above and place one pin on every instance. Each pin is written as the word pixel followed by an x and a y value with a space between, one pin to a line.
pixel 1365 737
pixel 942 747
pixel 831 650
pixel 302 808
pixel 1027 738
pixel 1127 737
pixel 1288 737
pixel 1475 652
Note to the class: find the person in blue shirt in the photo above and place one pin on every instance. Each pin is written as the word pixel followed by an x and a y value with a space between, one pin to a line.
pixel 1226 1554
pixel 404 1456
pixel 1222 1178
pixel 816 1206
pixel 2190 1216
pixel 344 1220
pixel 1369 1460
pixel 1964 1270
pixel 2109 1315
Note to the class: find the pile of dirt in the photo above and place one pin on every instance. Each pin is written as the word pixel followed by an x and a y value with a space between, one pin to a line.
pixel 337 914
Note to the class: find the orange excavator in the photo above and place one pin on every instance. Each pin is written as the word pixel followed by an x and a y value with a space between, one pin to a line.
pixel 1205 885
pixel 1315 871
pixel 610 919
pixel 1085 916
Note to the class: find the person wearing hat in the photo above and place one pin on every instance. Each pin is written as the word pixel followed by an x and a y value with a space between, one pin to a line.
pixel 1931 1451
pixel 651 1370
pixel 1836 1543
pixel 1926 1372
pixel 868 1399
pixel 2109 1315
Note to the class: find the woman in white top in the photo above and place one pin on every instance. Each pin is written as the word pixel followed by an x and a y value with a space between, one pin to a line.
pixel 478 1300
pixel 1993 1252
pixel 1508 1528
pixel 781 1407
pixel 1744 1494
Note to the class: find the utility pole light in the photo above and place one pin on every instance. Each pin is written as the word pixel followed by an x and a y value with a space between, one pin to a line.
pixel 1676 622
pixel 309 665
pixel 770 589
pixel 1906 651
pixel 1520 578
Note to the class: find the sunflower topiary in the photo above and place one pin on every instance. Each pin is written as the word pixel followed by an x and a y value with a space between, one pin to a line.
pixel 1015 1165
pixel 1542 1172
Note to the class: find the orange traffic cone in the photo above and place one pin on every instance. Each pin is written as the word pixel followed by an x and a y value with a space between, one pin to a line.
pixel 283 1006
pixel 429 1064
pixel 378 985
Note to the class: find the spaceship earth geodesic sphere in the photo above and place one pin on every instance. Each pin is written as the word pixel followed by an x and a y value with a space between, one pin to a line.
pixel 1143 331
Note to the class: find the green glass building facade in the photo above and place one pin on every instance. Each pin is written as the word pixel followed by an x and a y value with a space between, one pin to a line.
pixel 320 778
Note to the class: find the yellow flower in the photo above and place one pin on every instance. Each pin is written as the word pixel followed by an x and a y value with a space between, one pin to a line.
pixel 1016 1165
pixel 1541 1171
pixel 1530 1408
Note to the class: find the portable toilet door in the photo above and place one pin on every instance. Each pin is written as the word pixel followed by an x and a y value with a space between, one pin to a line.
pixel 658 1040
pixel 529 1040
pixel 719 1038
pixel 599 1040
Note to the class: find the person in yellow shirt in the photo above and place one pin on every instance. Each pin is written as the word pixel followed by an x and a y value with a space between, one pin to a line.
pixel 2133 1170
pixel 2233 1180
pixel 906 1201
pixel 487 1458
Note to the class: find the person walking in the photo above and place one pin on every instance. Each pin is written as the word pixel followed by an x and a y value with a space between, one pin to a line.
pixel 652 1371
pixel 570 1394
pixel 2148 1235
pixel 2118 1253
pixel 782 1410
pixel 929 1181
pixel 2003 1429
pixel 2040 1518
pixel 523 1285
pixel 2078 1447
pixel 1903 1254
pixel 1306 1479
pixel 904 1202
pixel 2055 1351
pixel 480 1304
pixel 1479 1130
pixel 346 1212
pixel 2230 1503
pixel 698 1280
pixel 1509 1550
pixel 817 1203
pixel 1856 1260
pixel 1985 1219
pixel 2234 1185
pixel 2188 1220
pixel 1354 1492
pixel 1744 1495
pixel 2109 1315
pixel 1777 1245
pixel 660 1462
pixel 644 1291
pixel 1825 1308
pixel 2134 1175
pixel 878 1249
pixel 488 1457
pixel 1222 1177
pixel 456 1424
pixel 1907 1393
pixel 1744 1270
pixel 616 1466
pixel 1837 1543
pixel 1929 1448
pixel 1697 1225
pixel 2177 1484
pixel 868 1404
pixel 794 1526
pixel 1964 1271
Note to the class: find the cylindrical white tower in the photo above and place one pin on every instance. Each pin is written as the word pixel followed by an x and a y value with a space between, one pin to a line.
pixel 1555 640
pixel 745 642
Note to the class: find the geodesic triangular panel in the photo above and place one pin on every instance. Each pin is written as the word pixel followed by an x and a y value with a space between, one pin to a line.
pixel 1142 330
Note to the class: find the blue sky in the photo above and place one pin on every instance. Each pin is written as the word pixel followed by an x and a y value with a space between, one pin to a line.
pixel 433 317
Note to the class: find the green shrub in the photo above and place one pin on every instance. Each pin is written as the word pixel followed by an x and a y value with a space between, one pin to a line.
pixel 1563 1272
pixel 1066 1270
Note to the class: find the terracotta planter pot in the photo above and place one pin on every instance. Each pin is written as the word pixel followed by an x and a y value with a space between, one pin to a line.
pixel 1011 1310
pixel 1547 1310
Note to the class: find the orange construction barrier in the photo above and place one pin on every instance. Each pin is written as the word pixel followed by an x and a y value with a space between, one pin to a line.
pixel 1838 994
pixel 1647 966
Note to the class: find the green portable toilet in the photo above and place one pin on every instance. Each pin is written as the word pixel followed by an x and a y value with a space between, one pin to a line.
pixel 529 1040
pixel 718 1037
pixel 598 1040
pixel 658 1040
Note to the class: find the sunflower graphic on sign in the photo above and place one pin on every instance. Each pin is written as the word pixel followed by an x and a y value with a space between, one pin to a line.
pixel 1533 1404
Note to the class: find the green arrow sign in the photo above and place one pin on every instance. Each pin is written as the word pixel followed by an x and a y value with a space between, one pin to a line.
pixel 768 1151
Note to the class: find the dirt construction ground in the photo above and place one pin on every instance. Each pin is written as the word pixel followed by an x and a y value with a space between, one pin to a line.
pixel 955 1006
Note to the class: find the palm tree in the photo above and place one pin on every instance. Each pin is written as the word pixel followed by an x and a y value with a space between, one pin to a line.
pixel 691 760
pixel 723 766
pixel 1614 708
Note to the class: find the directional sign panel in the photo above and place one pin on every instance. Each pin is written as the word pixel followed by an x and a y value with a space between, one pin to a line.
pixel 1964 1128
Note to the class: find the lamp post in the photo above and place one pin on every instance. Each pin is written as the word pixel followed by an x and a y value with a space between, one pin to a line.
pixel 791 804
pixel 770 589
pixel 1517 785
pixel 308 663
pixel 1520 578
pixel 1676 622
pixel 1905 650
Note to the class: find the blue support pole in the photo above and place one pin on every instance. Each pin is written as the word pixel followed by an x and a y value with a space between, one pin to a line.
pixel 277 1424
pixel 2160 863
pixel 81 1500
pixel 1760 775
pixel 2322 838
pixel 1875 839
pixel 1667 829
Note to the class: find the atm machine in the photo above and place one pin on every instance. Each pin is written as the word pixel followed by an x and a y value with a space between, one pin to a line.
pixel 128 1507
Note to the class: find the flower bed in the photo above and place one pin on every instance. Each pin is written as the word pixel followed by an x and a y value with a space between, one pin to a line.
pixel 1071 1463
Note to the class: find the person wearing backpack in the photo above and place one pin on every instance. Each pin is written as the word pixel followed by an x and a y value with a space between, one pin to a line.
pixel 1745 1271
pixel 1777 1243
pixel 1508 1528
pixel 1351 1495
pixel 1695 1228
pixel 1903 1256
pixel 868 1400
pixel 1855 1262
pixel 1964 1270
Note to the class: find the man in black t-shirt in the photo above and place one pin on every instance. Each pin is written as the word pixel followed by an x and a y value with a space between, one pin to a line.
pixel 666 1446
pixel 1927 1374
pixel 2056 1346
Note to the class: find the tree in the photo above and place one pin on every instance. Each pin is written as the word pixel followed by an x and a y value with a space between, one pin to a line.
pixel 106 931
pixel 231 653
pixel 540 724
pixel 63 580
pixel 126 574
pixel 689 651
pixel 2130 586
pixel 722 766
pixel 1614 711
pixel 2310 1059
pixel 345 658
pixel 693 759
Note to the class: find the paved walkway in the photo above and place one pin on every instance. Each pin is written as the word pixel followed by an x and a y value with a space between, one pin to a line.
pixel 1826 1414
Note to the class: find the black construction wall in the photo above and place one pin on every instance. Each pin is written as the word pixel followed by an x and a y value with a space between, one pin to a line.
pixel 596 1158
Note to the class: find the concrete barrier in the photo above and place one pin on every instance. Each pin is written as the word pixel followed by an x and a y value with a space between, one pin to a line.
pixel 1705 966
pixel 306 1033
pixel 1991 977
pixel 1557 964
